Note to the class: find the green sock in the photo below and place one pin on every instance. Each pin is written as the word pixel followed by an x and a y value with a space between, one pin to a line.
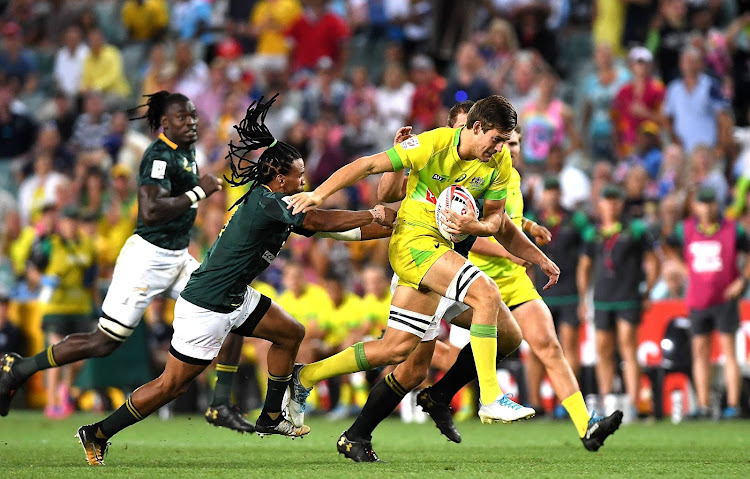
pixel 277 385
pixel 126 416
pixel 28 366
pixel 224 380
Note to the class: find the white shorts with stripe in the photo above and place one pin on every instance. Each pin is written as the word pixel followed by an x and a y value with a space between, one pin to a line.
pixel 142 272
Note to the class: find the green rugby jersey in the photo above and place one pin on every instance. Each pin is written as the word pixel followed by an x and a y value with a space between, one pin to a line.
pixel 175 170
pixel 247 244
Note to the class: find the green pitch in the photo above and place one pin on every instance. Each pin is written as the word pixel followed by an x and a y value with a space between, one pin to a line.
pixel 32 447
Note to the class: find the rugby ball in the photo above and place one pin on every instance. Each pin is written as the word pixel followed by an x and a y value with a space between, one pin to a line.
pixel 458 199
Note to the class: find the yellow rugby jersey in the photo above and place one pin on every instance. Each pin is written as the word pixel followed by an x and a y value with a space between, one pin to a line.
pixel 341 320
pixel 496 267
pixel 377 311
pixel 264 289
pixel 68 263
pixel 311 306
pixel 435 165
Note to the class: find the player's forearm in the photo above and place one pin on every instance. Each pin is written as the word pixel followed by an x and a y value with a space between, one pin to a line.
pixel 337 220
pixel 489 225
pixel 518 244
pixel 363 233
pixel 164 209
pixel 583 276
pixel 486 247
pixel 390 187
pixel 348 175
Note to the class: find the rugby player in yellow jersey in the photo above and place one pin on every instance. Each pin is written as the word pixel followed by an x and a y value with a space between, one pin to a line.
pixel 528 309
pixel 425 262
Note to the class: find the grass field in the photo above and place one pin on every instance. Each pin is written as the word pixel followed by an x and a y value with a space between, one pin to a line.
pixel 186 447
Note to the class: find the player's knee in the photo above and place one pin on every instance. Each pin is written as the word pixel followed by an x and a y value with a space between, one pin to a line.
pixel 548 348
pixel 399 352
pixel 484 294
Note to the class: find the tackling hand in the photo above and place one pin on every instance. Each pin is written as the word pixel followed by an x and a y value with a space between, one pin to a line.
pixel 304 202
pixel 552 271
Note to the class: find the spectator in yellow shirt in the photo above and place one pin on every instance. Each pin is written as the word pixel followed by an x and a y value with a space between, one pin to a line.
pixel 377 300
pixel 145 19
pixel 268 22
pixel 102 69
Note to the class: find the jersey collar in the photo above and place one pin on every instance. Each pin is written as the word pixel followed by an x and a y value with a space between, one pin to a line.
pixel 166 140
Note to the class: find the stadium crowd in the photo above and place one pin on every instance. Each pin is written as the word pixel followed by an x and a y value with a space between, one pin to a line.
pixel 645 102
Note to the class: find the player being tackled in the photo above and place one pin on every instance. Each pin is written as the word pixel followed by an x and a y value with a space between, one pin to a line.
pixel 217 299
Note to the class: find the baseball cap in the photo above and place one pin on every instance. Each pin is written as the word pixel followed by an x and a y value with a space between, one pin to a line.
pixel 611 192
pixel 551 183
pixel 706 195
pixel 640 54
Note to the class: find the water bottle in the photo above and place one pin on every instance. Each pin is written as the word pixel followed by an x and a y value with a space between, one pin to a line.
pixel 677 414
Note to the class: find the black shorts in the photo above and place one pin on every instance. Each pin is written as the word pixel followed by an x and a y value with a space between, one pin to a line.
pixel 605 320
pixel 565 314
pixel 724 317
pixel 65 324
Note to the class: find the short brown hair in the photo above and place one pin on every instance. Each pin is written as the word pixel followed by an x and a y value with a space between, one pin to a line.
pixel 457 109
pixel 493 113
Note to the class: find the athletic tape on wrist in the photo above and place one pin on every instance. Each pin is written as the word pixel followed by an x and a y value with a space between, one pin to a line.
pixel 192 196
pixel 199 191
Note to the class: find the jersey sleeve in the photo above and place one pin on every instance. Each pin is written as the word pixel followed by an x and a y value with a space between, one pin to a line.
pixel 413 152
pixel 154 170
pixel 275 207
pixel 498 189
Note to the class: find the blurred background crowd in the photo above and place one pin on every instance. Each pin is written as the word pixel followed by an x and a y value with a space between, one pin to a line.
pixel 653 95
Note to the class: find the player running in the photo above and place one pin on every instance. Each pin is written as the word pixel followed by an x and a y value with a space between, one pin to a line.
pixel 529 311
pixel 217 299
pixel 154 260
pixel 425 262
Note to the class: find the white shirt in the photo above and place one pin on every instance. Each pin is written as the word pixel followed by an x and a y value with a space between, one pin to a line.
pixel 195 80
pixel 392 107
pixel 69 68
pixel 26 197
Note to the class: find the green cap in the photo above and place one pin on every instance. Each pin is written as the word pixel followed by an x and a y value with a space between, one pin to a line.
pixel 551 183
pixel 612 192
pixel 706 195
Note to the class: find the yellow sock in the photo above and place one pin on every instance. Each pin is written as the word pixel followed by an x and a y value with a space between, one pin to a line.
pixel 484 346
pixel 576 408
pixel 347 361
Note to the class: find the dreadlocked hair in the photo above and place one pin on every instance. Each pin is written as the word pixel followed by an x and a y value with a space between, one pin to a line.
pixel 156 105
pixel 277 159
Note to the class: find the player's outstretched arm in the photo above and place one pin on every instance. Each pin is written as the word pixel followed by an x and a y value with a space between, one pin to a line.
pixel 392 186
pixel 518 244
pixel 156 206
pixel 342 178
pixel 486 247
pixel 345 220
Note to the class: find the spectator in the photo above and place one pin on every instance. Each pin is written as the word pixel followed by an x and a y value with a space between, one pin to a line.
pixel 325 93
pixel 269 20
pixel 671 284
pixel 69 61
pixel 467 82
pixel 49 142
pixel 518 82
pixel 393 102
pixel 17 64
pixel 118 219
pixel 608 24
pixel 599 91
pixel 325 156
pixel 92 126
pixel 39 189
pixel 191 20
pixel 283 116
pixel 668 36
pixel 706 174
pixel 17 131
pixel 102 69
pixel 192 74
pixel 638 16
pixel 738 43
pixel 648 152
pixel 361 96
pixel 317 34
pixel 124 144
pixel 636 102
pixel 575 186
pixel 695 107
pixel 533 33
pixel 547 123
pixel 160 72
pixel 425 103
pixel 499 48
pixel 11 339
pixel 636 181
pixel 413 21
pixel 672 173
pixel 209 103
pixel 145 19
pixel 360 135
pixel 712 248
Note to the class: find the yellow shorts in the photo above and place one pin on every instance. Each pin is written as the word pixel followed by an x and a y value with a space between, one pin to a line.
pixel 413 250
pixel 516 289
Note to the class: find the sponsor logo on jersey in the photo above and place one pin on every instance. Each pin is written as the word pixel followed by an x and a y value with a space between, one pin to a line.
pixel 430 197
pixel 158 169
pixel 439 178
pixel 461 178
pixel 269 257
pixel 287 200
pixel 409 143
pixel 188 167
pixel 476 183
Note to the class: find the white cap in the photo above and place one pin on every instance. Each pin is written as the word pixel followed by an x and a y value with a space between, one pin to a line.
pixel 640 54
